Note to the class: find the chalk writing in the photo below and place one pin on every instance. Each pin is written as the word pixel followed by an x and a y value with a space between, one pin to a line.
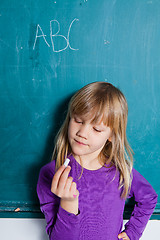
pixel 40 34
pixel 37 36
pixel 106 42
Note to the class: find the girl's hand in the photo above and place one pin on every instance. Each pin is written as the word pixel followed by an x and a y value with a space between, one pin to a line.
pixel 64 187
pixel 123 236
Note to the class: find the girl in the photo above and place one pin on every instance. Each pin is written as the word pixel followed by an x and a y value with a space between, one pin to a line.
pixel 86 199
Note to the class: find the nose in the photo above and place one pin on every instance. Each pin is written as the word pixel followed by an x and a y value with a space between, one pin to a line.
pixel 83 131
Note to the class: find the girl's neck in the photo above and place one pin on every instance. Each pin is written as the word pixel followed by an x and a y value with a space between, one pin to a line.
pixel 89 164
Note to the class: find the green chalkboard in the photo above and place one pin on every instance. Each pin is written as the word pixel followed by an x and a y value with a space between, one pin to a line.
pixel 51 48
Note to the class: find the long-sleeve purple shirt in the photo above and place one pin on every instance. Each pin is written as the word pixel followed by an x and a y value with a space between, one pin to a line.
pixel 100 205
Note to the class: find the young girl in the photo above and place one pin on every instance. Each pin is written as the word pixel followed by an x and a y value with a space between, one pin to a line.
pixel 86 199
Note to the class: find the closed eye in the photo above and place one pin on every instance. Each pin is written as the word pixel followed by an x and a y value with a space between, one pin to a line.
pixel 97 130
pixel 77 120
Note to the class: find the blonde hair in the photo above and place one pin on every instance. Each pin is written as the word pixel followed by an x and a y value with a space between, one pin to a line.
pixel 108 103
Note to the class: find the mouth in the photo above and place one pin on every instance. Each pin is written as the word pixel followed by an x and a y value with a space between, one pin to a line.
pixel 80 143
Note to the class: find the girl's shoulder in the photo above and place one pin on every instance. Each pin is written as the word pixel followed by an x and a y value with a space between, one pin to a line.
pixel 140 185
pixel 136 176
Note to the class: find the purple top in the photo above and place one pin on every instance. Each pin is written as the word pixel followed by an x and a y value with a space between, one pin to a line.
pixel 100 205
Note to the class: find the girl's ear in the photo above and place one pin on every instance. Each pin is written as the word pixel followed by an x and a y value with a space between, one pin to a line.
pixel 110 139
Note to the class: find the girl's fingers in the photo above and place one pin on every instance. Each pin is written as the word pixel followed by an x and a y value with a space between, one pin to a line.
pixel 63 178
pixel 123 236
pixel 76 194
pixel 56 178
pixel 73 188
pixel 62 185
pixel 68 184
pixel 74 191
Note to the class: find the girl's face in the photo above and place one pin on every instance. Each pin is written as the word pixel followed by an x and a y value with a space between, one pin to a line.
pixel 86 138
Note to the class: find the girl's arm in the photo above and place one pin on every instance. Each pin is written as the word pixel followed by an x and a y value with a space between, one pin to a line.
pixel 61 224
pixel 145 202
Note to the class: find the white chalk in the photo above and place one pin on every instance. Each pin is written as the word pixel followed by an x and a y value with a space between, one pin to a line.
pixel 66 162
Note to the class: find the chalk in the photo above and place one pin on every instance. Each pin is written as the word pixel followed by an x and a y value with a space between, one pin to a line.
pixel 17 210
pixel 66 162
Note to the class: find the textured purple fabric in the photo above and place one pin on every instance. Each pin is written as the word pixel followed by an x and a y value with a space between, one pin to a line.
pixel 100 205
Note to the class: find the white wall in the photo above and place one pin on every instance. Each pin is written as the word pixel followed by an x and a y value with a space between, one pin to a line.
pixel 34 229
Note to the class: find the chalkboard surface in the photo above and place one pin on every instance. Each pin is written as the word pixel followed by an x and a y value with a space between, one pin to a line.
pixel 51 48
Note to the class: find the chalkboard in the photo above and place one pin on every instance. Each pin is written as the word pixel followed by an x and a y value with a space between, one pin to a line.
pixel 51 48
